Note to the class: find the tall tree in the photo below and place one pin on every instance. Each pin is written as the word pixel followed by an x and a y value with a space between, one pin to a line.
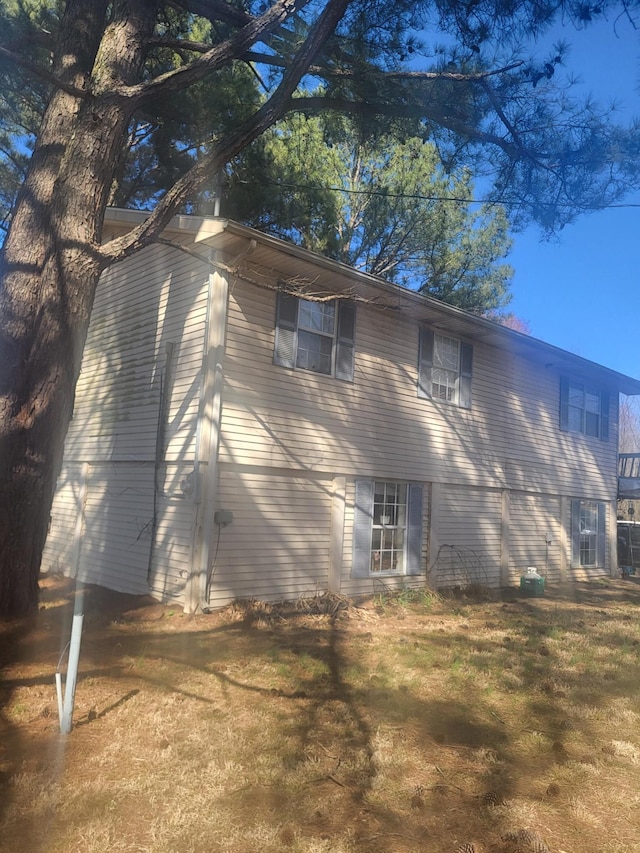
pixel 103 67
pixel 378 203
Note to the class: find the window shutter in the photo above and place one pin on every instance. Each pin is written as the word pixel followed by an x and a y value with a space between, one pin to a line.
pixel 284 352
pixel 575 534
pixel 604 416
pixel 564 403
pixel 362 521
pixel 345 340
pixel 414 529
pixel 602 541
pixel 425 363
pixel 466 367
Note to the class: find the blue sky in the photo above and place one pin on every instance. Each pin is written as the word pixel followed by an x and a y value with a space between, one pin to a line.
pixel 581 292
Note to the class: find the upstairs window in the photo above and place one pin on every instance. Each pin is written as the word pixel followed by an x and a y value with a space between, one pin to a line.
pixel 444 368
pixel 316 336
pixel 584 409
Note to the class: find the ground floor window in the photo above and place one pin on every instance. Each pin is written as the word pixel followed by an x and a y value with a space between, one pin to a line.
pixel 387 535
pixel 588 534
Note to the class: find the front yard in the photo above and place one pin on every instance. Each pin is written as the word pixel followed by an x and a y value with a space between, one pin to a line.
pixel 400 725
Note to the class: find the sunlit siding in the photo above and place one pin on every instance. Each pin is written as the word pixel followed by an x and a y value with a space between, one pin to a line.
pixel 66 524
pixel 532 520
pixel 155 299
pixel 294 418
pixel 118 526
pixel 172 547
pixel 142 363
pixel 493 475
pixel 469 547
pixel 277 547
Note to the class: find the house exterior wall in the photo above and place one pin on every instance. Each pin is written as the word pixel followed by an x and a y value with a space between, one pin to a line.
pixel 181 412
pixel 277 546
pixel 497 470
pixel 127 508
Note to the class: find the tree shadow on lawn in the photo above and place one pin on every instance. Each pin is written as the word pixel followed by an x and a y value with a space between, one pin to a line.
pixel 336 726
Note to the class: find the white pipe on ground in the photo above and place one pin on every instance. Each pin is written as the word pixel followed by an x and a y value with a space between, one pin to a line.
pixel 66 717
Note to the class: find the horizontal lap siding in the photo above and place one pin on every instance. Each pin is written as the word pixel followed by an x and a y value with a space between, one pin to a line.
pixel 118 527
pixel 277 546
pixel 531 518
pixel 541 457
pixel 469 525
pixel 61 547
pixel 157 297
pixel 293 418
pixel 173 542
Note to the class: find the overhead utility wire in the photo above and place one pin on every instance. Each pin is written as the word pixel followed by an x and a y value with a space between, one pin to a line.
pixel 417 197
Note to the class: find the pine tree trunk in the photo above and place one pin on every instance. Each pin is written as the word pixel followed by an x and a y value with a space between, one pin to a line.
pixel 49 275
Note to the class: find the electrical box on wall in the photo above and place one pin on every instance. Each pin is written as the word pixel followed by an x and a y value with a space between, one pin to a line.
pixel 222 517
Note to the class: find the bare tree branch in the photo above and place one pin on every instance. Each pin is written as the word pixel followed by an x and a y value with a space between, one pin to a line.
pixel 296 286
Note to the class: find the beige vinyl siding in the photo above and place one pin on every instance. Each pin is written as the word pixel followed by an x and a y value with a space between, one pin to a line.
pixel 118 527
pixel 469 537
pixel 295 418
pixel 174 531
pixel 61 549
pixel 158 297
pixel 292 442
pixel 531 518
pixel 277 546
pixel 372 585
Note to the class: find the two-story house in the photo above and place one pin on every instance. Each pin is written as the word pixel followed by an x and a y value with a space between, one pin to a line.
pixel 254 420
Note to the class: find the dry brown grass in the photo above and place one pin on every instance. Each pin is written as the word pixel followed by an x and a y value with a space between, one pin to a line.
pixel 398 725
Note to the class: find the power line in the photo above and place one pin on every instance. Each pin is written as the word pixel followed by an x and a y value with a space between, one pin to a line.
pixel 420 197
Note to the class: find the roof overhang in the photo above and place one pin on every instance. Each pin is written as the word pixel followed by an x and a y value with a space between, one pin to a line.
pixel 284 259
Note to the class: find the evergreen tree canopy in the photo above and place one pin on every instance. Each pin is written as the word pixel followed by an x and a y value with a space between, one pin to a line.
pixel 376 203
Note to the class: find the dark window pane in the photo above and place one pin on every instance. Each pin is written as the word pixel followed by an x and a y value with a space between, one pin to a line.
pixel 314 352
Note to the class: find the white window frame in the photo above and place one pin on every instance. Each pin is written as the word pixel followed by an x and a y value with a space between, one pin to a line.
pixel 322 325
pixel 584 409
pixel 445 366
pixel 389 528
pixel 302 321
pixel 588 534
pixel 369 527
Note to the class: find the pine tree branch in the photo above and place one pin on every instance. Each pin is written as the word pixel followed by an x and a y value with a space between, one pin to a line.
pixel 457 124
pixel 345 73
pixel 219 55
pixel 37 71
pixel 269 113
pixel 214 10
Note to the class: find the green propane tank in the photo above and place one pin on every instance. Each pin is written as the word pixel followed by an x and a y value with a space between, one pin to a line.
pixel 531 583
